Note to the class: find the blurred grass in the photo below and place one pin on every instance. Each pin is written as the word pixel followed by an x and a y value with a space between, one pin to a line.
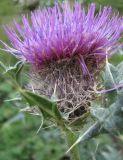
pixel 8 11
pixel 18 139
pixel 115 4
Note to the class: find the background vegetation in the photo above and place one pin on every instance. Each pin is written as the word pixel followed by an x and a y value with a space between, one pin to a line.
pixel 18 138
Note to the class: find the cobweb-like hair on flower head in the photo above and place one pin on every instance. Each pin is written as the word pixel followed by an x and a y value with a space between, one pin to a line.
pixel 66 46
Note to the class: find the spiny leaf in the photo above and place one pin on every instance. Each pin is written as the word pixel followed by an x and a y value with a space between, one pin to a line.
pixel 112 154
pixel 87 134
pixel 18 71
pixel 100 113
pixel 120 72
pixel 13 69
pixel 56 111
pixel 110 81
pixel 3 66
pixel 110 76
pixel 43 103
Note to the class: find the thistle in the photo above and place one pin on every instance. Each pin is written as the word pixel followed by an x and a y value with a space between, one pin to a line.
pixel 67 48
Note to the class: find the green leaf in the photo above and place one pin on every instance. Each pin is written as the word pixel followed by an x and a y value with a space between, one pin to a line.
pixel 110 80
pixel 120 72
pixel 56 111
pixel 89 133
pixel 113 123
pixel 111 153
pixel 3 66
pixel 13 71
pixel 100 113
pixel 45 105
pixel 110 76
pixel 18 71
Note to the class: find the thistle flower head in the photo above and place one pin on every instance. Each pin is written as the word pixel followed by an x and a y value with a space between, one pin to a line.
pixel 63 32
pixel 65 44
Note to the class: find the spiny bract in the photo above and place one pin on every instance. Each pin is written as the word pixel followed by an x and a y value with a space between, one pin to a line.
pixel 66 47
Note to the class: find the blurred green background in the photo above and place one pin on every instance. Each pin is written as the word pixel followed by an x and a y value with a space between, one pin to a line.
pixel 18 137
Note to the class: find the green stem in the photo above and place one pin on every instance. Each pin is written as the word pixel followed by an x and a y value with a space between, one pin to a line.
pixel 71 138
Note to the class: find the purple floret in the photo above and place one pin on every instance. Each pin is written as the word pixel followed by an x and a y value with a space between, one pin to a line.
pixel 63 32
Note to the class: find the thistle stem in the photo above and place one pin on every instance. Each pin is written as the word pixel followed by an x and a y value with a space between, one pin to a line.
pixel 71 138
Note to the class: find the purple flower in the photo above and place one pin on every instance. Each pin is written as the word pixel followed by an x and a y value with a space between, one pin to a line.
pixel 66 46
pixel 63 32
